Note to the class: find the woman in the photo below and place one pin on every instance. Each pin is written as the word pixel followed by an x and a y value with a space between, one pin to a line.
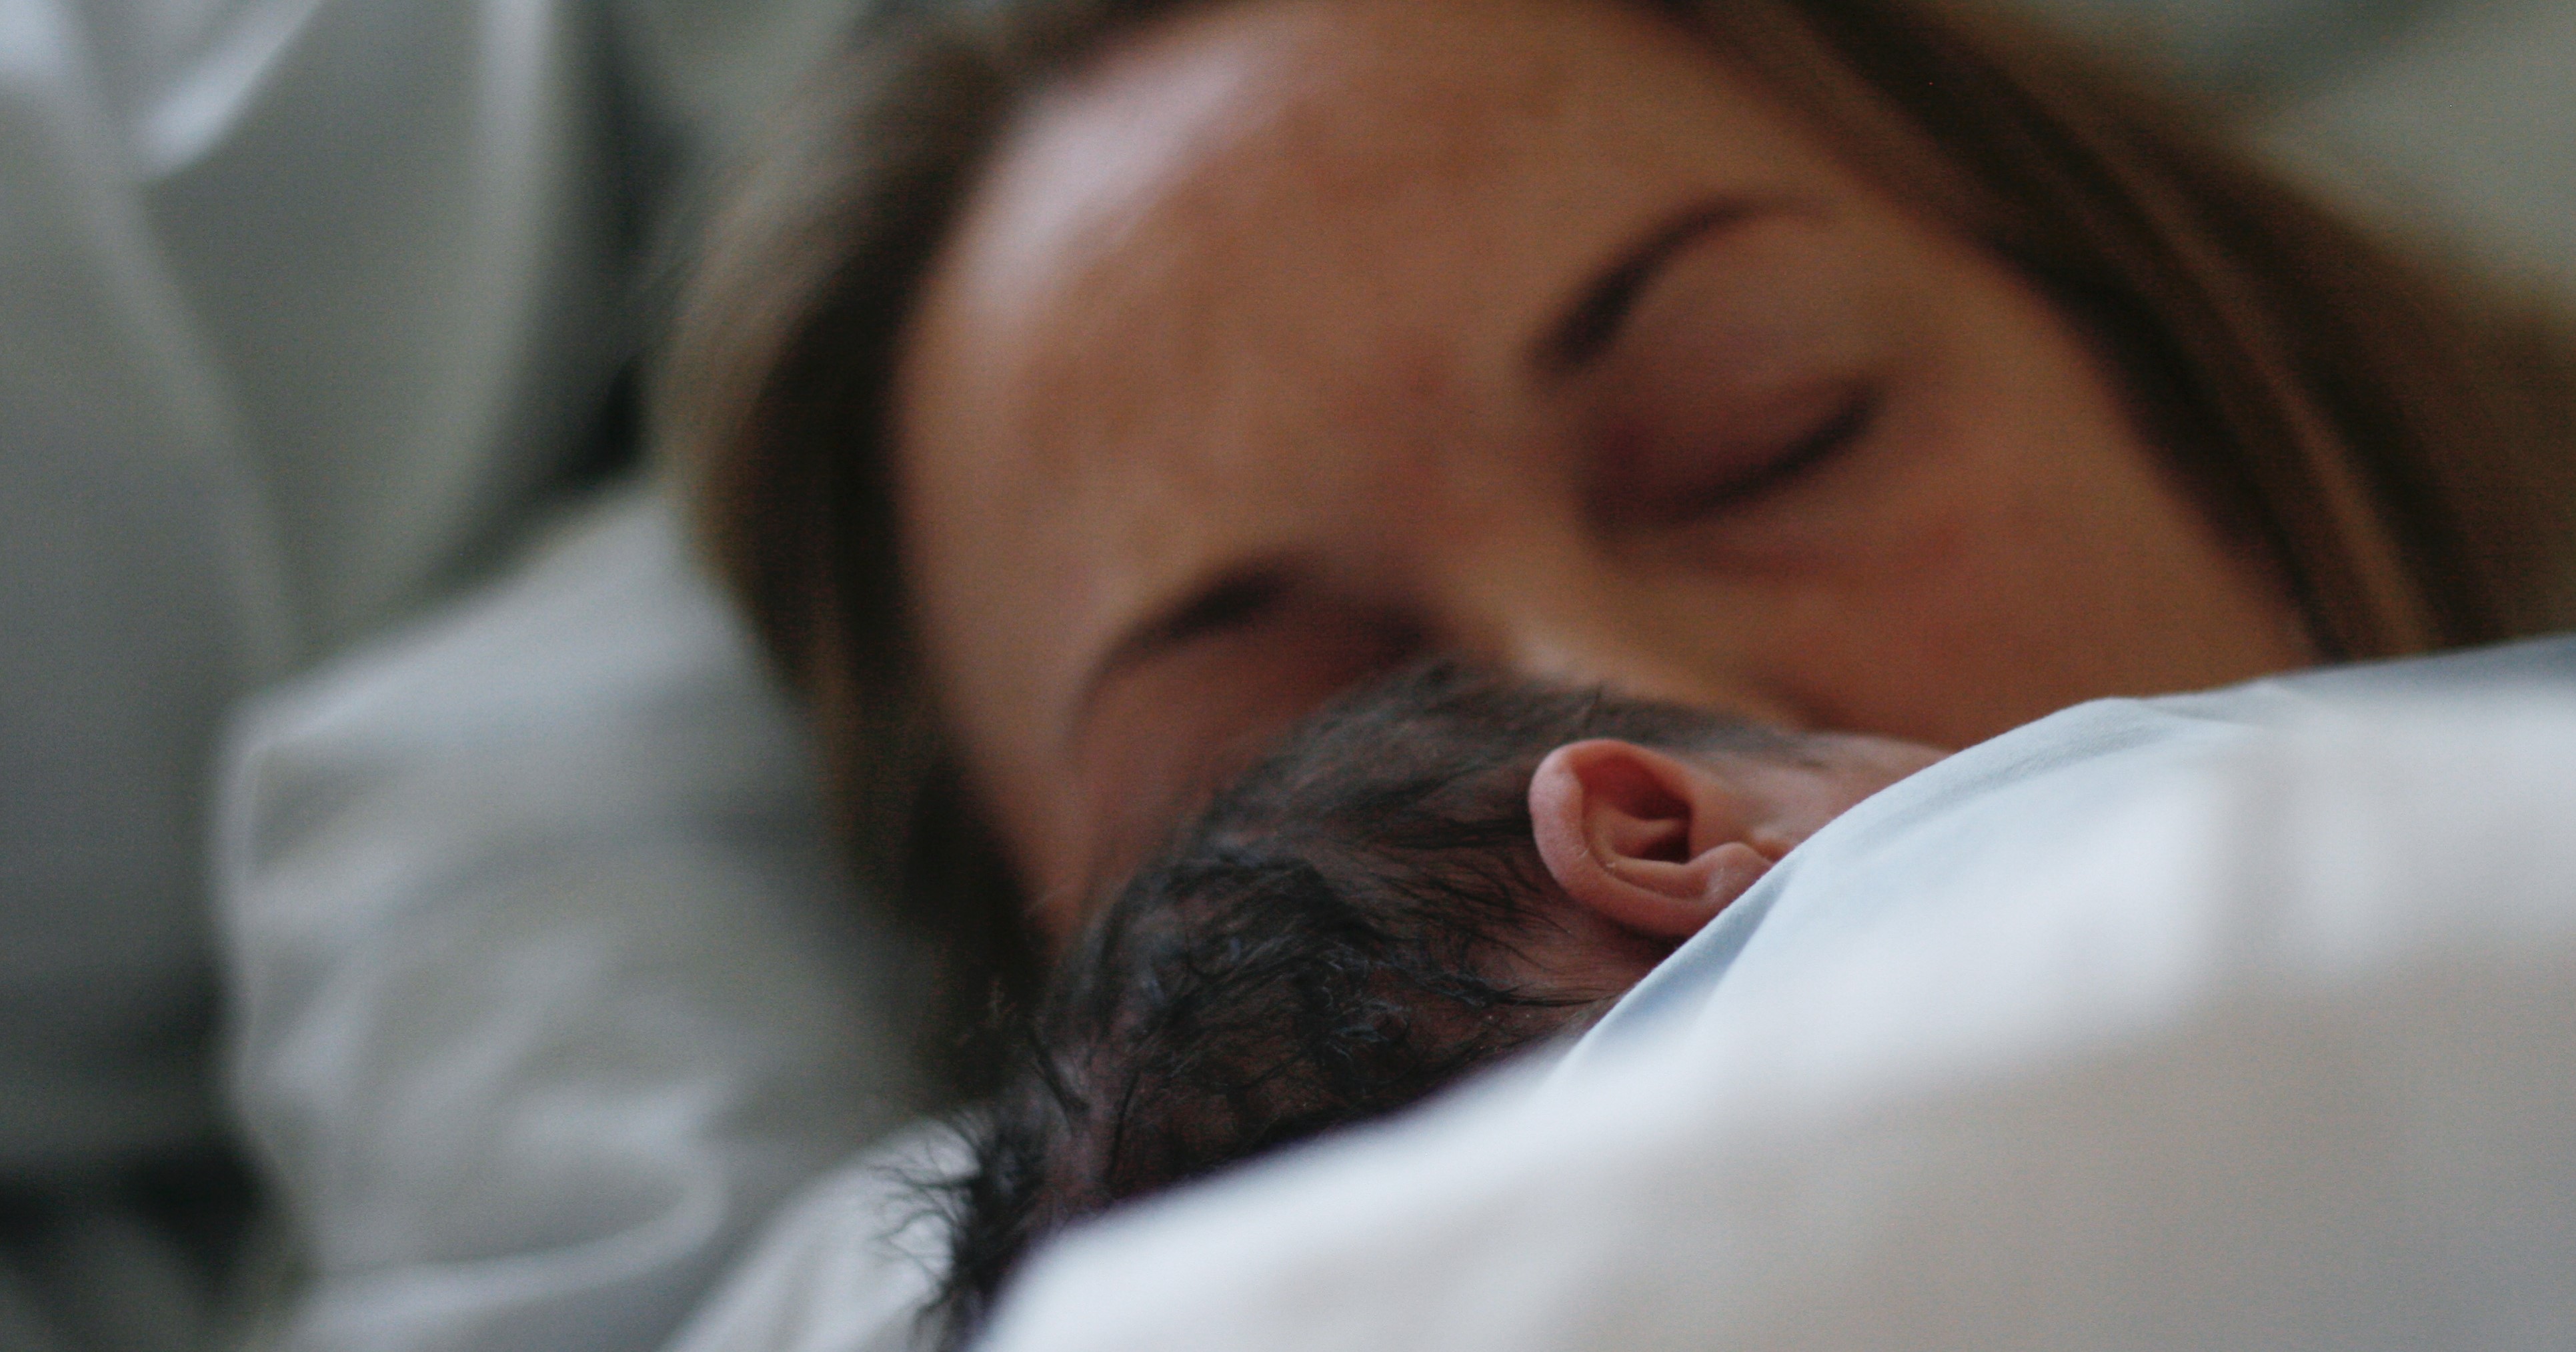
pixel 1104 384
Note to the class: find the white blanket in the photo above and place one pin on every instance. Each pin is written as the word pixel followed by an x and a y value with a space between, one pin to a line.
pixel 548 991
pixel 2236 1020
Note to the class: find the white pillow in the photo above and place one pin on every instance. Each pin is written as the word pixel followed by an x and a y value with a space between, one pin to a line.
pixel 548 988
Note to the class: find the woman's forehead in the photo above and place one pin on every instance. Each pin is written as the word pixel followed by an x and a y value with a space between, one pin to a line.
pixel 1302 213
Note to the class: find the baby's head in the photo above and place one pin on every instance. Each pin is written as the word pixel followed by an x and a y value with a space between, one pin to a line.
pixel 1427 876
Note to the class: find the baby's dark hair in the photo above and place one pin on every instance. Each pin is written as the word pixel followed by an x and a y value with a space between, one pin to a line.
pixel 1327 943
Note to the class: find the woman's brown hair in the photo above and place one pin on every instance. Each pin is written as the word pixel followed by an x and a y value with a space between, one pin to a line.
pixel 2401 447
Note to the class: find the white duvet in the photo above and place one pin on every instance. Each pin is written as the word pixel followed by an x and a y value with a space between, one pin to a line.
pixel 2237 1020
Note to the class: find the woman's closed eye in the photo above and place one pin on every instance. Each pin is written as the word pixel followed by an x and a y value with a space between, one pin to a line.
pixel 1851 422
pixel 1697 480
pixel 1745 364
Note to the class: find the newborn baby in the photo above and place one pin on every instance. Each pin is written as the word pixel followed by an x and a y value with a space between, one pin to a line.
pixel 1428 876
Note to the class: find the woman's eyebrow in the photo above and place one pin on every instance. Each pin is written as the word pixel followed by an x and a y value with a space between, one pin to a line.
pixel 1587 326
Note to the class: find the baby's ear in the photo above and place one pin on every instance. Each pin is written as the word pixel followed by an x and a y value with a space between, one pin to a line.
pixel 1651 842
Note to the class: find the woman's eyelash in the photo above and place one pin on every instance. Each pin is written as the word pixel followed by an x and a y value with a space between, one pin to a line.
pixel 1851 422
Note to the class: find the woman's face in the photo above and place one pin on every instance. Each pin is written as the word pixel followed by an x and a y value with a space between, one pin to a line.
pixel 1302 337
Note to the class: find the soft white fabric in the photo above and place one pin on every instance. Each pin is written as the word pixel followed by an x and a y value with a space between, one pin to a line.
pixel 304 304
pixel 548 989
pixel 2275 1046
pixel 378 245
pixel 135 596
pixel 850 1267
